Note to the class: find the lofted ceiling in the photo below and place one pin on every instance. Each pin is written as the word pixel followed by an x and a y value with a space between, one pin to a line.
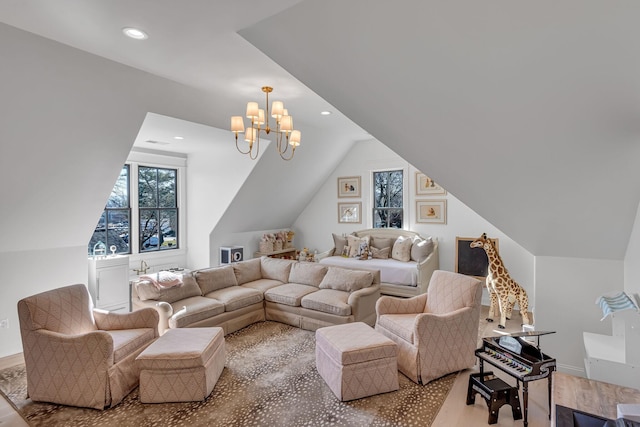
pixel 526 111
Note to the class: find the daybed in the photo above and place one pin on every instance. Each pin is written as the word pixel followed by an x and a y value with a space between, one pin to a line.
pixel 302 294
pixel 405 268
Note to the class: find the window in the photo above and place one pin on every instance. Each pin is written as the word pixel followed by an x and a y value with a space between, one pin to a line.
pixel 114 226
pixel 157 208
pixel 387 199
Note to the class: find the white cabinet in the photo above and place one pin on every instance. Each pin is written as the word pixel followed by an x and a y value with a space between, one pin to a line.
pixel 615 358
pixel 109 283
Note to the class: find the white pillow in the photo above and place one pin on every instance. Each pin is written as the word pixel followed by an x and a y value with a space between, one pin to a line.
pixel 421 249
pixel 402 249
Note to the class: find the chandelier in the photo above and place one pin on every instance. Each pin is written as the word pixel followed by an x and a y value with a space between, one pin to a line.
pixel 285 135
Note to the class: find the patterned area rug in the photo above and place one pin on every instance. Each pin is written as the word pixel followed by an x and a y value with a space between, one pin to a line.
pixel 269 379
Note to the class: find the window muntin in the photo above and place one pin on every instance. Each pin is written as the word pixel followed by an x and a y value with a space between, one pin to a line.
pixel 158 210
pixel 388 209
pixel 114 225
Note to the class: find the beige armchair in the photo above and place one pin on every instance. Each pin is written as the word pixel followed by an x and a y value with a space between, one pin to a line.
pixel 436 332
pixel 79 356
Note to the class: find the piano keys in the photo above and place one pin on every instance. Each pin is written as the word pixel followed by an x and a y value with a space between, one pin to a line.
pixel 520 359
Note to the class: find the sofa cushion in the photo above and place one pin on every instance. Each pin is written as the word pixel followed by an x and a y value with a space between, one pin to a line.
pixel 236 297
pixel 212 279
pixel 194 309
pixel 276 269
pixel 307 273
pixel 339 242
pixel 380 253
pixel 262 285
pixel 328 301
pixel 344 279
pixel 127 341
pixel 247 271
pixel 402 249
pixel 148 291
pixel 289 294
pixel 358 246
pixel 421 249
pixel 401 325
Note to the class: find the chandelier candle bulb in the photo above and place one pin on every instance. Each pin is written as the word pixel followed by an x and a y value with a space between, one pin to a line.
pixel 237 124
pixel 277 109
pixel 294 139
pixel 252 110
pixel 286 123
pixel 260 120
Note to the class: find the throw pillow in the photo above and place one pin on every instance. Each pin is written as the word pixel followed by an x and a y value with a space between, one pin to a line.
pixel 339 242
pixel 381 242
pixel 380 253
pixel 421 249
pixel 358 246
pixel 148 291
pixel 212 279
pixel 344 279
pixel 402 249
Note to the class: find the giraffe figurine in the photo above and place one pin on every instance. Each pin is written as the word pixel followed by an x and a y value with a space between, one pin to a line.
pixel 503 290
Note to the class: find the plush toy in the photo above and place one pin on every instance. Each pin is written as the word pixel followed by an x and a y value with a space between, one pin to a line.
pixel 503 290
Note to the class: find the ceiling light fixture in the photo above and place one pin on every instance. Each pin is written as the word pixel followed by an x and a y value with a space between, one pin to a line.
pixel 135 33
pixel 325 113
pixel 285 134
pixel 178 137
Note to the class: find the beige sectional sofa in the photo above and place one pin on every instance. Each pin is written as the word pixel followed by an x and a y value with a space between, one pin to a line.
pixel 302 294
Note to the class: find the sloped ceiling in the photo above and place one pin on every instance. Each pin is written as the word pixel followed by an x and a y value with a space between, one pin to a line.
pixel 526 111
pixel 529 112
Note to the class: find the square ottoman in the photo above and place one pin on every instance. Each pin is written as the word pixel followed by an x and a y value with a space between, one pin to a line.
pixel 356 361
pixel 183 365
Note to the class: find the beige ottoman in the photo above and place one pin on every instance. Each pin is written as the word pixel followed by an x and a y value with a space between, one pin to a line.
pixel 182 365
pixel 356 361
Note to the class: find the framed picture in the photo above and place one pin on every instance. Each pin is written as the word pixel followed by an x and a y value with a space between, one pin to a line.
pixel 431 211
pixel 472 261
pixel 349 186
pixel 425 185
pixel 350 212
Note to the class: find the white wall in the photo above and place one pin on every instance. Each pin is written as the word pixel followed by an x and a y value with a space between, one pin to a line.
pixel 29 272
pixel 566 292
pixel 319 219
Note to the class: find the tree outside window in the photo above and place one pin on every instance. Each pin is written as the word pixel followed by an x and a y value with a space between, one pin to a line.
pixel 114 226
pixel 158 208
pixel 387 199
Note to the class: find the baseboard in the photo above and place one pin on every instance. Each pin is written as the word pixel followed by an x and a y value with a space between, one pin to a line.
pixel 576 371
pixel 10 361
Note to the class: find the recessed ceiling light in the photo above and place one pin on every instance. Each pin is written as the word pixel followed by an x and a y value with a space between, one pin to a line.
pixel 325 113
pixel 178 137
pixel 135 33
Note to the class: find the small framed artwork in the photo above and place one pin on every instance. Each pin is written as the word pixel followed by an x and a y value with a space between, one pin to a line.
pixel 349 186
pixel 350 212
pixel 425 185
pixel 431 211
pixel 472 261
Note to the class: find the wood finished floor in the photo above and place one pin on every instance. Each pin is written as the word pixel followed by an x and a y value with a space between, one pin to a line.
pixel 454 411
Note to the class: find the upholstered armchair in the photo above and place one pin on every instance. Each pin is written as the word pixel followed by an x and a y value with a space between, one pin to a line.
pixel 77 355
pixel 436 332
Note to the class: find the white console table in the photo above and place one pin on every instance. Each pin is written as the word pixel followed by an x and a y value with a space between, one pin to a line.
pixel 109 282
